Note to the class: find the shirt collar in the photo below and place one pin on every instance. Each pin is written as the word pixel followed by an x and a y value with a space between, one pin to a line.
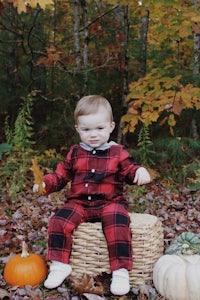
pixel 102 147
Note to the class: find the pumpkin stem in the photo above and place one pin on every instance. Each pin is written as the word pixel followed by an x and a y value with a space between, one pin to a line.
pixel 184 258
pixel 24 250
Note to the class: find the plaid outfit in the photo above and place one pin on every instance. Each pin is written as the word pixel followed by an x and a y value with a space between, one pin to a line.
pixel 96 194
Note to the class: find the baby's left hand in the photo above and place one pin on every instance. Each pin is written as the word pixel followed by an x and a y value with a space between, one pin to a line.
pixel 142 176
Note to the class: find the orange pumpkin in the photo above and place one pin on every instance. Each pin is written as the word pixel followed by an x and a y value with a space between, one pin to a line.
pixel 25 269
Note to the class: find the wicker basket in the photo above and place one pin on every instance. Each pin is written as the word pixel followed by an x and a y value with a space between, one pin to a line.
pixel 90 255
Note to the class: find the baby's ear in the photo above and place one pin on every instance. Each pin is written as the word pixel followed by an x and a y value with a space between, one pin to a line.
pixel 76 127
pixel 112 126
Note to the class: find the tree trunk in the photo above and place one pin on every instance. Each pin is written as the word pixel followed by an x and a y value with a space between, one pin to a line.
pixel 143 44
pixel 86 41
pixel 196 50
pixel 77 35
pixel 194 130
pixel 125 58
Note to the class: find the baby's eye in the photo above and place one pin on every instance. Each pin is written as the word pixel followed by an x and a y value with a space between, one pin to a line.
pixel 100 128
pixel 85 129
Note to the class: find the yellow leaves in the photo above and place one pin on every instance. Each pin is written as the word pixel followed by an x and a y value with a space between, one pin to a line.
pixel 149 117
pixel 21 5
pixel 42 3
pixel 131 121
pixel 177 107
pixel 154 96
pixel 171 120
pixel 153 174
pixel 195 17
pixel 132 110
pixel 184 31
pixel 163 121
pixel 143 12
pixel 38 175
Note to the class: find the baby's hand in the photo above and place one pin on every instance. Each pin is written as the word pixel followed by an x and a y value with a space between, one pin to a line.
pixel 142 176
pixel 36 187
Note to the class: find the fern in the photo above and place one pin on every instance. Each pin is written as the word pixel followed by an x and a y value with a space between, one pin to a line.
pixel 191 173
pixel 177 151
pixel 8 131
pixel 23 129
pixel 146 147
pixel 192 147
pixel 18 162
pixel 181 154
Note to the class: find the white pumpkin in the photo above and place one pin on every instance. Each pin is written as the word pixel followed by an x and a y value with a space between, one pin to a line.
pixel 177 277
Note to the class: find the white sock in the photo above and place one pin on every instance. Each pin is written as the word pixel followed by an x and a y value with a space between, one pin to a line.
pixel 120 282
pixel 58 273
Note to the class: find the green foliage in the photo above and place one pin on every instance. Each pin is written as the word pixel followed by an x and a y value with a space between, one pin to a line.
pixel 38 52
pixel 177 151
pixel 144 153
pixel 137 200
pixel 191 174
pixel 173 158
pixel 146 147
pixel 23 129
pixel 49 158
pixel 17 162
pixel 4 148
pixel 40 55
pixel 135 193
pixel 181 154
pixel 7 130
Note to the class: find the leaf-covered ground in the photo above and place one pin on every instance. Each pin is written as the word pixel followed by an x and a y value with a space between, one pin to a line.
pixel 27 219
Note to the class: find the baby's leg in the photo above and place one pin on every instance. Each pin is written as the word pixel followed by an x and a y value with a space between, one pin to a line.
pixel 115 223
pixel 60 231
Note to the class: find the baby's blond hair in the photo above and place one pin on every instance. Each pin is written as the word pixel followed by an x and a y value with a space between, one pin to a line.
pixel 90 104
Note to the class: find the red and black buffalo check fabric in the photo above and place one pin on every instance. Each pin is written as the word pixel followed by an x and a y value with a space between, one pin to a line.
pixel 96 194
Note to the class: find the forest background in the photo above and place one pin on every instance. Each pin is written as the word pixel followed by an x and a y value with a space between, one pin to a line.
pixel 144 57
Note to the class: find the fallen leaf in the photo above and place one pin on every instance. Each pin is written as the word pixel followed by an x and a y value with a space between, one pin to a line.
pixel 38 175
pixel 4 294
pixel 93 296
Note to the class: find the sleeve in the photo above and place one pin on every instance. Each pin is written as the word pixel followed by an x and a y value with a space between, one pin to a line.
pixel 128 166
pixel 63 174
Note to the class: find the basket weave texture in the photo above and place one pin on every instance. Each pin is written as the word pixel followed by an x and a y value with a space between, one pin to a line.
pixel 90 255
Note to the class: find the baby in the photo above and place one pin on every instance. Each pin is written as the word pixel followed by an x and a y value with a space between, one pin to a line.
pixel 97 169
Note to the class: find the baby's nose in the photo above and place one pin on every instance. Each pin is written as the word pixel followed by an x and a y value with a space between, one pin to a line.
pixel 93 133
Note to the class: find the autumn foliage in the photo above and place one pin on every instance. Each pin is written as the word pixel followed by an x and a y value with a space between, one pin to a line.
pixel 38 175
pixel 22 6
pixel 155 98
pixel 142 55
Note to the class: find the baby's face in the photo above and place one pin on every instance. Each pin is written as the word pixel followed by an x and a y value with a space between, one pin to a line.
pixel 95 129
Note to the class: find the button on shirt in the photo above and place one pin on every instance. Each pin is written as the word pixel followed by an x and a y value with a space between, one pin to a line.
pixel 103 172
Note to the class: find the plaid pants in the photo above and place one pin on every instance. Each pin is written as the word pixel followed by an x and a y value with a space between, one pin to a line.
pixel 115 224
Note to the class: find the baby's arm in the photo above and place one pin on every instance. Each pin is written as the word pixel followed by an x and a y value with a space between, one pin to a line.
pixel 142 176
pixel 55 181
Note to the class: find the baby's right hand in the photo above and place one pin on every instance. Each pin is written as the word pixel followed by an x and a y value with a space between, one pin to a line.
pixel 36 187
